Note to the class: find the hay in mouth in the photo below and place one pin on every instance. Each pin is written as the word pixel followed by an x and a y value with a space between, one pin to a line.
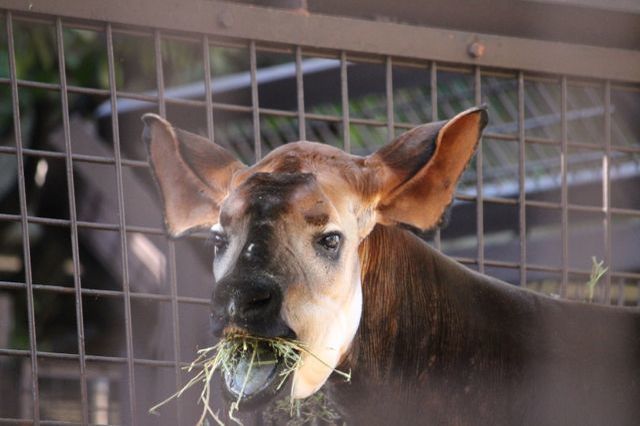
pixel 249 365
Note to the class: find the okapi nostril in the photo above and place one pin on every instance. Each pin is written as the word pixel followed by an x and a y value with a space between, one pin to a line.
pixel 258 302
pixel 254 252
pixel 231 308
pixel 261 300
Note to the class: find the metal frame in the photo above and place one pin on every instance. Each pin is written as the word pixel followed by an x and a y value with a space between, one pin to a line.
pixel 325 32
pixel 215 24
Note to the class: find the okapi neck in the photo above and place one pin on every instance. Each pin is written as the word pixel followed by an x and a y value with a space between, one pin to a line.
pixel 397 270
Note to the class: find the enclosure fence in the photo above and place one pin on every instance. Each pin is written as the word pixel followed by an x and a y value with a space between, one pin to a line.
pixel 559 159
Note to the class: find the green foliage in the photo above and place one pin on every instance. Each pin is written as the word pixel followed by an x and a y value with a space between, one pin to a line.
pixel 597 271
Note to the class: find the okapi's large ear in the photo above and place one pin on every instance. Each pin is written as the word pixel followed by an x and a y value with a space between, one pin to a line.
pixel 420 169
pixel 193 175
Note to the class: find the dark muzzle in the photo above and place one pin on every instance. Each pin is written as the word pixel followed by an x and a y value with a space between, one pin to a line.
pixel 251 304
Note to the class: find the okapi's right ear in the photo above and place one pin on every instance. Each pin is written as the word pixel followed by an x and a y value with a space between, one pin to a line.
pixel 193 175
pixel 419 170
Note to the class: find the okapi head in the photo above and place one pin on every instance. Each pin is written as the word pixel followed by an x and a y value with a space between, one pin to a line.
pixel 287 230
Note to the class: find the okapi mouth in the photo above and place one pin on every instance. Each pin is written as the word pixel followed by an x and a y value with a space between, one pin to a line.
pixel 258 370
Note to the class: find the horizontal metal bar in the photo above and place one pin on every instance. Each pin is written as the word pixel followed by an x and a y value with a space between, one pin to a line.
pixel 310 116
pixel 337 33
pixel 96 225
pixel 23 422
pixel 89 358
pixel 461 197
pixel 490 200
pixel 220 106
pixel 9 285
pixel 104 293
pixel 75 157
pixel 352 58
pixel 541 268
pixel 89 225
pixel 225 42
pixel 317 117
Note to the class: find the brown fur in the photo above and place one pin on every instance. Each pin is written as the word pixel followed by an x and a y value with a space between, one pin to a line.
pixel 440 344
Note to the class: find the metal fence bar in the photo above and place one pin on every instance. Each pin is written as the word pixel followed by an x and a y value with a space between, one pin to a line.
pixel 91 358
pixel 22 194
pixel 564 196
pixel 75 251
pixel 606 191
pixel 122 226
pixel 77 158
pixel 106 293
pixel 389 97
pixel 620 301
pixel 314 116
pixel 433 81
pixel 541 78
pixel 279 27
pixel 175 317
pixel 522 196
pixel 82 224
pixel 205 302
pixel 206 59
pixel 479 178
pixel 23 422
pixel 255 104
pixel 302 125
pixel 344 96
pixel 159 231
pixel 173 281
pixel 157 46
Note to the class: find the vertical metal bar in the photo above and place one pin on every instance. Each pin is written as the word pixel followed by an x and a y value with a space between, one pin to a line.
pixel 621 292
pixel 255 106
pixel 75 251
pixel 434 117
pixel 22 193
pixel 302 125
pixel 389 87
pixel 207 86
pixel 157 45
pixel 479 178
pixel 175 316
pixel 122 223
pixel 565 189
pixel 173 280
pixel 344 94
pixel 522 174
pixel 606 191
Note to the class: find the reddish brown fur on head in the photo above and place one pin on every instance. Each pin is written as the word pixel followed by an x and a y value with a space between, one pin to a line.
pixel 291 224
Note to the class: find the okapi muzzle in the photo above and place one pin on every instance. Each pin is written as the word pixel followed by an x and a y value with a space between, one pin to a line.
pixel 289 231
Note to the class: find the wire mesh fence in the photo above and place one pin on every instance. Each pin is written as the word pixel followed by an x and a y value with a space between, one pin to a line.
pixel 101 310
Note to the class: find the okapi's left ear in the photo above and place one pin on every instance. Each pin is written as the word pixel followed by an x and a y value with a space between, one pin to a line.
pixel 420 169
pixel 193 175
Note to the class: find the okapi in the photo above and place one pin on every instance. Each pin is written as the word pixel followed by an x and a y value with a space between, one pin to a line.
pixel 318 245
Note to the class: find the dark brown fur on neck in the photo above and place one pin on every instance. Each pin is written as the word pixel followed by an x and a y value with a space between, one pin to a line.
pixel 441 344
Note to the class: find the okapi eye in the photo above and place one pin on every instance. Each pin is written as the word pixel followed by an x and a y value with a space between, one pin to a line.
pixel 219 241
pixel 330 242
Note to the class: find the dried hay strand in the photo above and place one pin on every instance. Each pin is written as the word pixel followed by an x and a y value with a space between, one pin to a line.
pixel 225 357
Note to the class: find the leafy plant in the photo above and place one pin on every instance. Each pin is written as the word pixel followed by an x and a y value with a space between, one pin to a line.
pixel 597 271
